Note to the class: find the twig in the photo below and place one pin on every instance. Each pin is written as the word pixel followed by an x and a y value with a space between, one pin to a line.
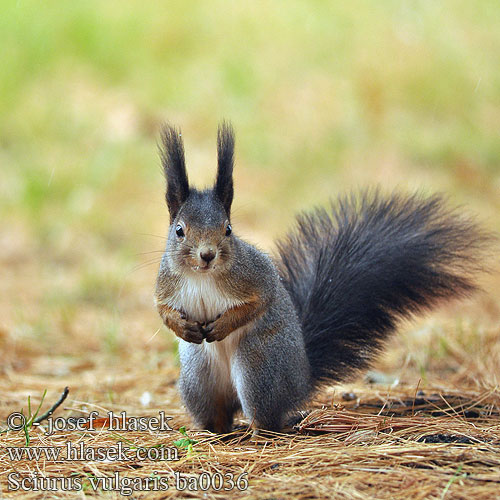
pixel 53 408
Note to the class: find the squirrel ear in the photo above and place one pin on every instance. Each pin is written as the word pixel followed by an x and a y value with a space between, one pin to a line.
pixel 225 161
pixel 174 166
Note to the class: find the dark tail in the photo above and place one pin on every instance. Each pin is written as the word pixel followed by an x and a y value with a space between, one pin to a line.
pixel 353 272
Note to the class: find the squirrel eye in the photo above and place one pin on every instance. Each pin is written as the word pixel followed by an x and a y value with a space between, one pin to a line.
pixel 229 230
pixel 179 231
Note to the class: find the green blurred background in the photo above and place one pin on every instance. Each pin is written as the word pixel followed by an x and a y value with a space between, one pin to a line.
pixel 324 96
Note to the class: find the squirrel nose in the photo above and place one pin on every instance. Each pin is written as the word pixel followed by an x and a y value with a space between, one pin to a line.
pixel 207 254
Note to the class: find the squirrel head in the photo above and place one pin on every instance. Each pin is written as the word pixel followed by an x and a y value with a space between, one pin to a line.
pixel 200 234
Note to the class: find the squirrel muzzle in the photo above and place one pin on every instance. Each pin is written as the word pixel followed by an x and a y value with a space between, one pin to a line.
pixel 207 258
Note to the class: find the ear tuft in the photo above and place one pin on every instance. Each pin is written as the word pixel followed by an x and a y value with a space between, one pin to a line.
pixel 174 167
pixel 225 162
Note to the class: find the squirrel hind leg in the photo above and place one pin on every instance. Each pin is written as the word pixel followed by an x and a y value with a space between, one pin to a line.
pixel 220 419
pixel 207 395
pixel 216 414
pixel 284 423
pixel 263 404
pixel 267 422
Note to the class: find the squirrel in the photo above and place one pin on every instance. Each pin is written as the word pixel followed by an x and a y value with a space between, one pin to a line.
pixel 262 334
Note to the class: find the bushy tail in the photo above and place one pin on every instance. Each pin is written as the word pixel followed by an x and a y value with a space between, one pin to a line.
pixel 353 272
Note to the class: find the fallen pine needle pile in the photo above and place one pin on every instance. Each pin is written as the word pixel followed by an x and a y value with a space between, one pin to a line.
pixel 341 450
pixel 430 430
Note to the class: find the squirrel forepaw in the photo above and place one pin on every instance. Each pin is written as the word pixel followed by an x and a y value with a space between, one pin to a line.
pixel 192 332
pixel 215 331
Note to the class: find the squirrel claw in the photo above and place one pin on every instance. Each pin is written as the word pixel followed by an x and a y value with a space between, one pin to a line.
pixel 215 330
pixel 215 336
pixel 207 328
pixel 193 332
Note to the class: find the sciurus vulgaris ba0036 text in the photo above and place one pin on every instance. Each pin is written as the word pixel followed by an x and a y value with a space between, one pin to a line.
pixel 262 334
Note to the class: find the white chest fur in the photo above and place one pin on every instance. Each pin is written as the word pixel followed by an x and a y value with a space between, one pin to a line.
pixel 200 298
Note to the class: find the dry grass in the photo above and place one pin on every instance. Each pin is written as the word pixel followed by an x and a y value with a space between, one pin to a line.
pixel 420 435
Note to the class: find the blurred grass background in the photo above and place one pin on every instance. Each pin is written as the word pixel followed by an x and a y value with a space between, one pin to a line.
pixel 324 96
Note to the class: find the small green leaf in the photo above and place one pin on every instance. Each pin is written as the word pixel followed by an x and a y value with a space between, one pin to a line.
pixel 184 443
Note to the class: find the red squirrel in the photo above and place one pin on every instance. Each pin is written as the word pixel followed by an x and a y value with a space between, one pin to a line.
pixel 262 334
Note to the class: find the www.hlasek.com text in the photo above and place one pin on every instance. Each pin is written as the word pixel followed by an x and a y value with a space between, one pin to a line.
pixel 80 452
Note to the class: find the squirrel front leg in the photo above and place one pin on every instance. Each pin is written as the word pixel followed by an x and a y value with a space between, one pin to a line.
pixel 233 319
pixel 190 331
